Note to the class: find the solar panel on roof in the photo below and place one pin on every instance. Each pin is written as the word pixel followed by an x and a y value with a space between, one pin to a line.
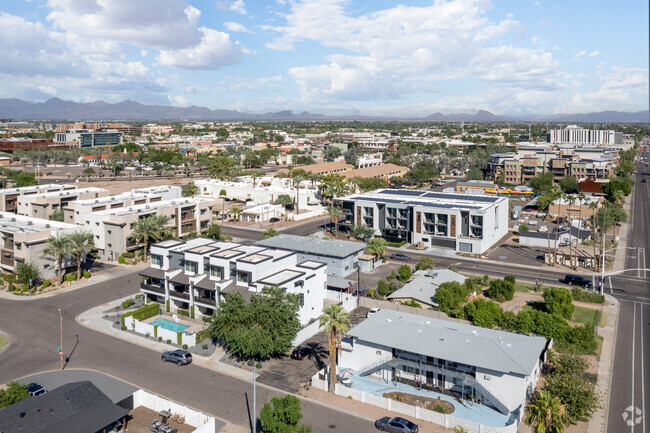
pixel 401 192
pixel 479 198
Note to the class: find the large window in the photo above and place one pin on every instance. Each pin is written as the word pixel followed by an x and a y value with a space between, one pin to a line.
pixel 156 260
pixel 216 272
pixel 191 267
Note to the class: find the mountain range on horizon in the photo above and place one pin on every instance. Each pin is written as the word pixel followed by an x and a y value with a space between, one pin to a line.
pixel 56 109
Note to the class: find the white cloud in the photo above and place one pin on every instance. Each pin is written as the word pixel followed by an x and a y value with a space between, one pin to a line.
pixel 407 49
pixel 214 50
pixel 580 54
pixel 253 83
pixel 594 54
pixel 178 101
pixel 236 6
pixel 236 27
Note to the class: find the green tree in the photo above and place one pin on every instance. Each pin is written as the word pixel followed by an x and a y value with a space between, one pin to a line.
pixel 60 247
pixel 501 290
pixel 81 242
pixel 523 227
pixel 361 232
pixel 546 414
pixel 264 327
pixel 542 182
pixel 425 263
pixel 28 273
pixel 569 184
pixel 450 297
pixel 377 247
pixel 484 313
pixel 214 231
pixel 335 185
pixel 270 232
pixel 335 321
pixel 617 184
pixel 88 172
pixel 14 393
pixel 369 183
pixel 284 200
pixel 334 213
pixel 154 227
pixel 282 415
pixel 331 153
pixel 474 174
pixel 575 392
pixel 404 273
pixel 57 215
pixel 559 300
pixel 191 190
pixel 25 179
pixel 235 212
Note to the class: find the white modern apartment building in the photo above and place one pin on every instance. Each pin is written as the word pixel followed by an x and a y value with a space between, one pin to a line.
pixel 42 205
pixel 197 274
pixel 577 135
pixel 9 196
pixel 111 228
pixel 76 211
pixel 260 191
pixel 464 223
pixel 477 365
pixel 24 238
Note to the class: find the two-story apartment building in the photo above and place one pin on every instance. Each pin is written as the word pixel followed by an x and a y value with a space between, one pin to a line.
pixel 76 211
pixel 485 366
pixel 197 274
pixel 23 239
pixel 9 196
pixel 111 228
pixel 465 223
pixel 42 205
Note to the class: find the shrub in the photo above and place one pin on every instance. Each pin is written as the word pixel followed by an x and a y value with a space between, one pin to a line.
pixel 167 305
pixel 159 338
pixel 523 227
pixel 126 304
pixel 559 301
pixel 501 290
pixel 86 274
pixel 192 312
pixel 486 280
pixel 123 327
pixel 583 296
pixel 128 255
pixel 258 365
pixel 425 263
pixel 46 284
pixel 411 303
pixel 250 363
pixel 383 288
pixel 392 276
pixel 11 287
pixel 183 313
pixel 450 297
pixel 184 346
pixel 179 337
pixel 508 321
pixel 10 278
pixel 142 313
pixel 71 277
pixel 121 260
pixel 404 273
pixel 396 244
pixel 24 288
pixel 169 341
pixel 510 279
pixel 155 332
pixel 203 334
pixel 484 313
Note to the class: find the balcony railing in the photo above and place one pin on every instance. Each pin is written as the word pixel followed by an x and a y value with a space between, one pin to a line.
pixel 181 295
pixel 205 300
pixel 152 288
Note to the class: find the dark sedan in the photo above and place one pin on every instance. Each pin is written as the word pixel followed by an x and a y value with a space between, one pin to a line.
pixel 401 257
pixel 396 425
pixel 301 352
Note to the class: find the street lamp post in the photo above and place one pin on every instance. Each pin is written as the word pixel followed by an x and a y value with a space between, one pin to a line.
pixel 61 341
pixel 254 401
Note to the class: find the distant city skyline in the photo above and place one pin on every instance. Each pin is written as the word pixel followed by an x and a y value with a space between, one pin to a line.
pixel 333 57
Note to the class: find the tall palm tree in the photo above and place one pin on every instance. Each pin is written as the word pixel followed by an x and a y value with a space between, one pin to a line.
pixel 80 242
pixel 191 190
pixel 154 227
pixel 235 212
pixel 58 246
pixel 163 230
pixel 335 213
pixel 546 414
pixel 570 199
pixel 581 197
pixel 593 206
pixel 335 321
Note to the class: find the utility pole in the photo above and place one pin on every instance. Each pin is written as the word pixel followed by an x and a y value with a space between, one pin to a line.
pixel 254 401
pixel 358 282
pixel 61 341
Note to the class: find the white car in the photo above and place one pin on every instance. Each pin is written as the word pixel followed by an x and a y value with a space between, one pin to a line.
pixel 543 229
pixel 372 311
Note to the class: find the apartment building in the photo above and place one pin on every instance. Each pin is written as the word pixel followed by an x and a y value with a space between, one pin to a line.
pixel 75 212
pixel 197 274
pixel 88 138
pixel 383 171
pixel 323 169
pixel 493 368
pixel 370 160
pixel 111 228
pixel 9 196
pixel 464 223
pixel 23 239
pixel 42 205
pixel 579 136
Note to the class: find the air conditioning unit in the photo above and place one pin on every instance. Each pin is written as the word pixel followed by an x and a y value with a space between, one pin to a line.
pixel 47 226
pixel 487 377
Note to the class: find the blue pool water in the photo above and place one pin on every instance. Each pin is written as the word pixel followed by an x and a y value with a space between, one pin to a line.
pixel 168 324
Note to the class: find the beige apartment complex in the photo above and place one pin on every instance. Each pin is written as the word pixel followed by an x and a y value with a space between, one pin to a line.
pixel 9 196
pixel 42 205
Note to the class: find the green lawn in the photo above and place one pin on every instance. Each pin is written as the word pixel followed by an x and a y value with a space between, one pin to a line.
pixel 3 341
pixel 586 316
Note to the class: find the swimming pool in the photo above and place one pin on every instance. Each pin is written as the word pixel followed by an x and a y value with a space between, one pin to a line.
pixel 169 325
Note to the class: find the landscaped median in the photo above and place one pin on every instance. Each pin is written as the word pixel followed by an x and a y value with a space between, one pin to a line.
pixel 20 286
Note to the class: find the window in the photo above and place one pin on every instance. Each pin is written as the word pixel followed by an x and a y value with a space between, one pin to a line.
pixel 19 246
pixel 216 272
pixel 413 370
pixel 191 267
pixel 203 211
pixel 156 260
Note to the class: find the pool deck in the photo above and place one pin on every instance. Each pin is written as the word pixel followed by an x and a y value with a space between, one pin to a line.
pixel 474 412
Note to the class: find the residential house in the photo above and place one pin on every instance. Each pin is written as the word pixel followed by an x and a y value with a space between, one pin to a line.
pixel 424 284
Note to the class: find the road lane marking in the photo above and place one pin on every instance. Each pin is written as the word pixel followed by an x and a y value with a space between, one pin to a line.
pixel 633 342
pixel 642 372
pixel 611 289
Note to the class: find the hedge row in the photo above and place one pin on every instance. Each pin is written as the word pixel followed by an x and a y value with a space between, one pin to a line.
pixel 396 244
pixel 143 313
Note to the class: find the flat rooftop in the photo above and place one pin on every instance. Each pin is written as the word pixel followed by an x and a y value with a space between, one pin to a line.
pixel 428 198
pixel 10 222
pixel 281 277
pixel 151 207
pixel 312 246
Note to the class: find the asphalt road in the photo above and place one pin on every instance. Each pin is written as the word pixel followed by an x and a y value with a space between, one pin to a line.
pixel 629 405
pixel 34 329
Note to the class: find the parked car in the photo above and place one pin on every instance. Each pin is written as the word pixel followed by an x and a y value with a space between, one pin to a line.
pixel 222 217
pixel 372 311
pixel 36 389
pixel 401 257
pixel 274 220
pixel 396 425
pixel 301 352
pixel 543 229
pixel 180 357
pixel 577 280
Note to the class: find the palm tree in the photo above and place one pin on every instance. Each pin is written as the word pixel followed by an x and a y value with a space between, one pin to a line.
pixel 191 190
pixel 80 242
pixel 582 197
pixel 235 212
pixel 154 227
pixel 269 233
pixel 570 199
pixel 335 213
pixel 546 414
pixel 255 175
pixel 335 321
pixel 362 232
pixel 58 246
pixel 296 182
pixel 377 247
pixel 593 206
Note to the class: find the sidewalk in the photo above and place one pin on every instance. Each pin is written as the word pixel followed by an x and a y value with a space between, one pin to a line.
pixel 621 250
pixel 598 423
pixel 99 277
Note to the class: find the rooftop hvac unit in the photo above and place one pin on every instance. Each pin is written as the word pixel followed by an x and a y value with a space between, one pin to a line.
pixel 13 220
pixel 30 223
pixel 47 226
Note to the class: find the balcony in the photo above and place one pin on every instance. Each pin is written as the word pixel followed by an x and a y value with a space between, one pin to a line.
pixel 205 300
pixel 179 295
pixel 152 288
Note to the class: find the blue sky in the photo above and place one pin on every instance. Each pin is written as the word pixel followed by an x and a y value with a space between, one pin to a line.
pixel 331 56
